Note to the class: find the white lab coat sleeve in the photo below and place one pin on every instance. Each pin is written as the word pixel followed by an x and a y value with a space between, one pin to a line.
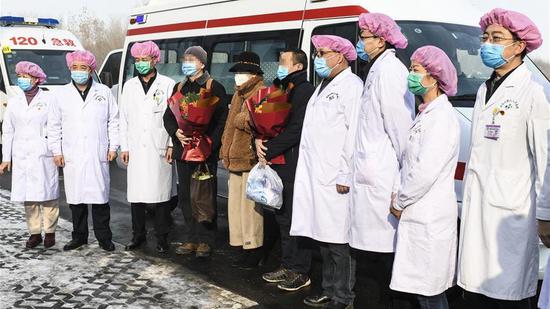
pixel 539 143
pixel 352 105
pixel 8 130
pixel 396 103
pixel 54 128
pixel 113 124
pixel 439 142
pixel 123 117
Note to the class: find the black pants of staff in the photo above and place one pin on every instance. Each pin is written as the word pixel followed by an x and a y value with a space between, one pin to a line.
pixel 161 221
pixel 101 215
pixel 193 231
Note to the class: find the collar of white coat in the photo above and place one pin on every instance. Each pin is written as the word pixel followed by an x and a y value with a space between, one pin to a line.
pixel 380 59
pixel 23 100
pixel 438 102
pixel 519 76
pixel 335 81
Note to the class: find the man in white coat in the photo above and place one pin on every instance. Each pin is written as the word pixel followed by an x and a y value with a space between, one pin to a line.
pixel 320 212
pixel 83 136
pixel 505 189
pixel 145 145
pixel 377 145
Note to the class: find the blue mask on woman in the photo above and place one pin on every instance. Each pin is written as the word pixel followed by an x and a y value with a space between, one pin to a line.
pixel 188 68
pixel 282 72
pixel 24 83
pixel 321 67
pixel 491 55
pixel 360 49
pixel 80 77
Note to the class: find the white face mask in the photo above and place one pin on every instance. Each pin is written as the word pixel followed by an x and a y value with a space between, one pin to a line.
pixel 241 78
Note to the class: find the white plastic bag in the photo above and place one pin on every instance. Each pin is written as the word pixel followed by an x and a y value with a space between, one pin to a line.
pixel 264 186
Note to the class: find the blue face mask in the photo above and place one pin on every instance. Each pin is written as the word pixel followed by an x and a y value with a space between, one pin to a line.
pixel 491 55
pixel 80 77
pixel 188 68
pixel 360 49
pixel 24 83
pixel 282 72
pixel 321 67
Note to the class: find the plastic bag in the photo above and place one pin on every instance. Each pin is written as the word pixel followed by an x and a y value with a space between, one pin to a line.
pixel 264 186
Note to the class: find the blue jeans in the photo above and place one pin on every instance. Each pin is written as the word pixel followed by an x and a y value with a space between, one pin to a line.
pixel 338 272
pixel 433 302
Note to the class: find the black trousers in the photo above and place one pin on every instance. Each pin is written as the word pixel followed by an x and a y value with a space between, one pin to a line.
pixel 295 251
pixel 338 272
pixel 475 300
pixel 193 231
pixel 101 215
pixel 380 269
pixel 162 219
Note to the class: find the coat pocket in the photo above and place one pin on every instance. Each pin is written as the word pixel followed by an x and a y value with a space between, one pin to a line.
pixel 509 189
pixel 366 167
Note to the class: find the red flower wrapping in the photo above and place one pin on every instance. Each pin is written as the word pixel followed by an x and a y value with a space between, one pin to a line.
pixel 269 110
pixel 193 113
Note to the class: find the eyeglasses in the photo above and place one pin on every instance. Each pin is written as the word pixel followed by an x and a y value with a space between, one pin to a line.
pixel 322 53
pixel 494 39
pixel 367 37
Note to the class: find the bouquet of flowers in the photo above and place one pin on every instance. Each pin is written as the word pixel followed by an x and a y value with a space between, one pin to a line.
pixel 193 112
pixel 269 109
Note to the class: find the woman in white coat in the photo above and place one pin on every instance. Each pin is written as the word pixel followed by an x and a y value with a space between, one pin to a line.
pixel 83 136
pixel 35 180
pixel 425 254
pixel 505 190
pixel 146 146
pixel 322 213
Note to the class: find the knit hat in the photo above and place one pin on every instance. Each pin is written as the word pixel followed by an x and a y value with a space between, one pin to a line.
pixel 198 52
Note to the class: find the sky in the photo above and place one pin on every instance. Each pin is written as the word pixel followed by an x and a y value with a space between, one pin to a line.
pixel 537 10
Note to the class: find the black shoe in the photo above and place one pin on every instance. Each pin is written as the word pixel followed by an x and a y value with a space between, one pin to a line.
pixel 294 282
pixel 34 240
pixel 162 246
pixel 337 305
pixel 134 244
pixel 276 276
pixel 107 245
pixel 74 244
pixel 319 301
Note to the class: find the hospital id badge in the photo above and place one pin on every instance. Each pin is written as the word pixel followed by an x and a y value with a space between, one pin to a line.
pixel 492 131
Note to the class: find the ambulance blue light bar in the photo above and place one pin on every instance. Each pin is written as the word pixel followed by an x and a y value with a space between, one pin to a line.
pixel 17 20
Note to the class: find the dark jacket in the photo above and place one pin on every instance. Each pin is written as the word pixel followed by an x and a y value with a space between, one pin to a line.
pixel 288 142
pixel 215 127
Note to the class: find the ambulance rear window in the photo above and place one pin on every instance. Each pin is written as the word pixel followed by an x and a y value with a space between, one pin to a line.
pixel 51 61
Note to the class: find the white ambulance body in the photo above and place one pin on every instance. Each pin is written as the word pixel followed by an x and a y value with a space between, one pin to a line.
pixel 38 41
pixel 224 28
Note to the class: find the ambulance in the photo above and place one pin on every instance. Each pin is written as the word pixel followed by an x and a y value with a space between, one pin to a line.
pixel 225 28
pixel 37 40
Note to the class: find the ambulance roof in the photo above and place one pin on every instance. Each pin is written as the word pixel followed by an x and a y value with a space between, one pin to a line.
pixel 32 37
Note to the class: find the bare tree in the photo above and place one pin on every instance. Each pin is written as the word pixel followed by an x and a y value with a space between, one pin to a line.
pixel 97 35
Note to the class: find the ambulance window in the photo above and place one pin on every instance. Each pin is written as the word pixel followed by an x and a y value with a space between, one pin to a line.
pixel 345 30
pixel 171 51
pixel 2 85
pixel 267 45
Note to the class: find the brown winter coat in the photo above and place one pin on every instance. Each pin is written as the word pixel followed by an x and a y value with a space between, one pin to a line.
pixel 236 152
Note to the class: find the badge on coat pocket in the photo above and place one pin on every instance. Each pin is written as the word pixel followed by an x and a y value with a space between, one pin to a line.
pixel 492 131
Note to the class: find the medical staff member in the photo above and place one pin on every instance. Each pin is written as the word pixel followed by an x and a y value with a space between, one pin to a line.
pixel 377 145
pixel 83 136
pixel 425 255
pixel 320 212
pixel 35 180
pixel 505 189
pixel 145 146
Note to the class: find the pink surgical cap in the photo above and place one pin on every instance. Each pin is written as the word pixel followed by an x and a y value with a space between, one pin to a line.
pixel 515 22
pixel 335 43
pixel 81 56
pixel 440 67
pixel 26 67
pixel 383 26
pixel 148 48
